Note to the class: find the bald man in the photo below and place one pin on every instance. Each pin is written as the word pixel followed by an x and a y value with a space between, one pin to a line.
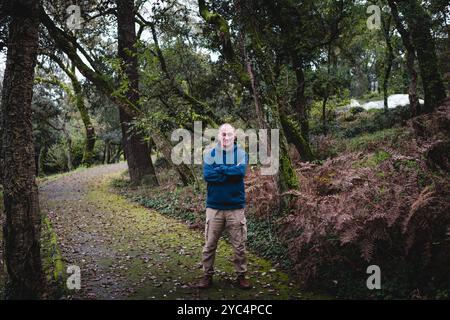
pixel 224 170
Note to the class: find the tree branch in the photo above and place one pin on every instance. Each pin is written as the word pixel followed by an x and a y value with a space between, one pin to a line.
pixel 99 80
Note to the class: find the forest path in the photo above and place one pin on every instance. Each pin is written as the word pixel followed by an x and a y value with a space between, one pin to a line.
pixel 126 251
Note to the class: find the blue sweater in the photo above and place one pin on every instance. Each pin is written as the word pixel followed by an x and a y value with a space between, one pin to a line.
pixel 226 189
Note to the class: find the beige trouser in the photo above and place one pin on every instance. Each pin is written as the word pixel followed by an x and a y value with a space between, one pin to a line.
pixel 236 225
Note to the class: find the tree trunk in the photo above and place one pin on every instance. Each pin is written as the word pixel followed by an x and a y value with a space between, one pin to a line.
pixel 324 114
pixel 22 226
pixel 37 160
pixel 287 177
pixel 108 153
pixel 112 152
pixel 118 153
pixel 42 158
pixel 104 152
pixel 414 103
pixel 300 104
pixel 186 175
pixel 419 23
pixel 388 61
pixel 69 150
pixel 387 74
pixel 136 149
pixel 137 153
pixel 410 59
pixel 254 87
pixel 88 154
pixel 294 136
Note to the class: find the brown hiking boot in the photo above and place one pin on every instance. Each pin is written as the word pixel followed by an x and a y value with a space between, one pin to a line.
pixel 204 283
pixel 243 283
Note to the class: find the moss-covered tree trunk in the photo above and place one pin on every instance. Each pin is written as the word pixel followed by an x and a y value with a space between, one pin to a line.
pixel 419 23
pixel 22 226
pixel 294 136
pixel 300 104
pixel 186 174
pixel 136 149
pixel 77 98
pixel 276 119
pixel 88 153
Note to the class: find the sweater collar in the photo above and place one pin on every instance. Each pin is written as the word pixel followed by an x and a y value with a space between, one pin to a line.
pixel 219 148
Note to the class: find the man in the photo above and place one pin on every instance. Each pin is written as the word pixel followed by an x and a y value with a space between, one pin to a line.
pixel 224 170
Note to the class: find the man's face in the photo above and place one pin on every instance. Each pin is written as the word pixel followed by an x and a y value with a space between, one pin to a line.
pixel 226 136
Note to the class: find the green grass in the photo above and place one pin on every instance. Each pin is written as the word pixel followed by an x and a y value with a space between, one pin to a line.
pixel 373 160
pixel 370 141
pixel 56 176
pixel 338 144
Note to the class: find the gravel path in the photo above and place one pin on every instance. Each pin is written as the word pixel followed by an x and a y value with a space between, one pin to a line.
pixel 126 251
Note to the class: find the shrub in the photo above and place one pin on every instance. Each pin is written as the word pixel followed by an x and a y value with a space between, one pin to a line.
pixel 78 144
pixel 351 218
pixel 56 160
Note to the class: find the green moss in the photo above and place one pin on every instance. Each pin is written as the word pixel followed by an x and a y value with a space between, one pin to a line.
pixel 288 175
pixel 294 135
pixel 88 157
pixel 370 141
pixel 52 263
pixel 408 163
pixel 373 160
pixel 173 253
pixel 51 251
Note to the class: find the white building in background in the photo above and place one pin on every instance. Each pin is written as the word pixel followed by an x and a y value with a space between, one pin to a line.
pixel 394 101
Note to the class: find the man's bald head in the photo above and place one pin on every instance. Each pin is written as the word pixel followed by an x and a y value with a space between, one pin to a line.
pixel 226 135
